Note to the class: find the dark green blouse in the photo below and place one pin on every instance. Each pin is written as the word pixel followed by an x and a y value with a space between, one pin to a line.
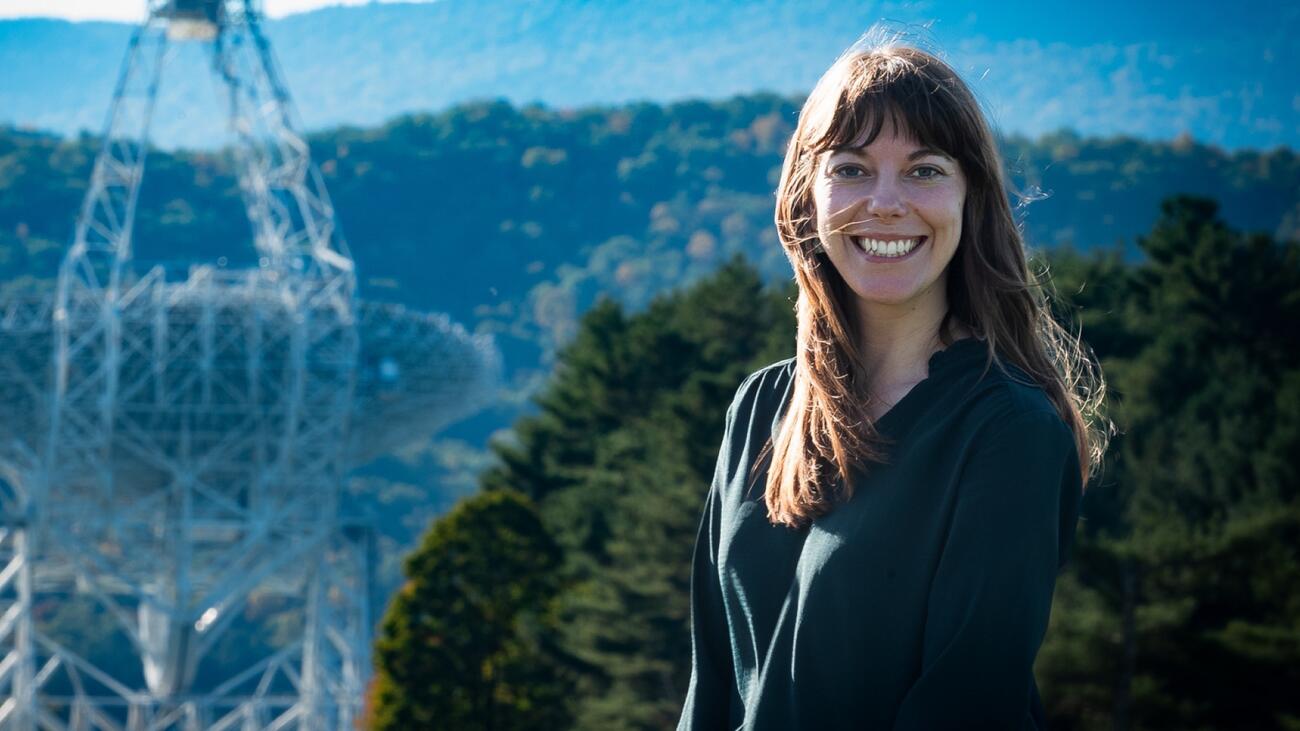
pixel 918 604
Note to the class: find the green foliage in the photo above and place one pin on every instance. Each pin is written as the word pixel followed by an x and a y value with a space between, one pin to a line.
pixel 1214 543
pixel 459 643
pixel 1184 611
pixel 620 458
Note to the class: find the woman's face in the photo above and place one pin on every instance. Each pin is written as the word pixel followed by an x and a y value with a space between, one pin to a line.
pixel 875 202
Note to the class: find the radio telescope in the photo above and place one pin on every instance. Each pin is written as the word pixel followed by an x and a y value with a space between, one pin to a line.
pixel 173 441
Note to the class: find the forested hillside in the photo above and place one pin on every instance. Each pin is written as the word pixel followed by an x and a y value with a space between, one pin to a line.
pixel 513 219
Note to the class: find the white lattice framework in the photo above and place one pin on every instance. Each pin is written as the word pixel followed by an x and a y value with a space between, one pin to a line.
pixel 173 443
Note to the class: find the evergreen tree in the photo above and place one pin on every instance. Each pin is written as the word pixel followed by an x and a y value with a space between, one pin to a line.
pixel 620 458
pixel 1182 611
pixel 627 619
pixel 1213 558
pixel 1079 661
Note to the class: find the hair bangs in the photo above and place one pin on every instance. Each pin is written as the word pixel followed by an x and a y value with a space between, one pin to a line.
pixel 876 89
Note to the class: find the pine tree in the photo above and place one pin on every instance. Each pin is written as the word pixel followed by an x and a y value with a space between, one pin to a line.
pixel 1187 589
pixel 1214 541
pixel 1080 658
pixel 619 459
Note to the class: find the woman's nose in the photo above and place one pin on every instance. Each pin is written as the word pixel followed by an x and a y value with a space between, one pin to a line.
pixel 885 200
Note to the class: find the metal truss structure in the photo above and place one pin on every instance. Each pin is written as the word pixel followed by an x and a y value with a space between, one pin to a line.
pixel 173 443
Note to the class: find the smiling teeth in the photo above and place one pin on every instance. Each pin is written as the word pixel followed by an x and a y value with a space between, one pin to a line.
pixel 886 248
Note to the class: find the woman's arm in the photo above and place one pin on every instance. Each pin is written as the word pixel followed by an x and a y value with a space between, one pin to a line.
pixel 708 697
pixel 992 592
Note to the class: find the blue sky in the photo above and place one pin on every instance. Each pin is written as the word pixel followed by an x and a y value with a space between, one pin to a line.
pixel 1227 72
pixel 1224 73
pixel 1104 21
pixel 133 10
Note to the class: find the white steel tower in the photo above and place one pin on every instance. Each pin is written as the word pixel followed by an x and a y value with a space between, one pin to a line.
pixel 173 442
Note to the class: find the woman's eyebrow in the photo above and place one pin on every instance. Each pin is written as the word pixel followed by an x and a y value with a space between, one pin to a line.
pixel 926 151
pixel 914 155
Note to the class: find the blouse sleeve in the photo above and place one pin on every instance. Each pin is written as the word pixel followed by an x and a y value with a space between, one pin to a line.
pixel 708 697
pixel 992 591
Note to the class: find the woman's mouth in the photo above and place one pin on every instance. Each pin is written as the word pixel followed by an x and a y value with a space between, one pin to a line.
pixel 877 250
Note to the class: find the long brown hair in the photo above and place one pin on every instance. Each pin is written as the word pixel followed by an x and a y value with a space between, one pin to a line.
pixel 991 290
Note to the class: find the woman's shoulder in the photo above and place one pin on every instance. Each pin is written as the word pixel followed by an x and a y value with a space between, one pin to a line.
pixel 769 375
pixel 764 388
pixel 1013 391
pixel 1009 405
pixel 998 394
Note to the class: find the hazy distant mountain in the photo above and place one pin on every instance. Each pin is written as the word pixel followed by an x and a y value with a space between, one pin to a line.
pixel 1151 76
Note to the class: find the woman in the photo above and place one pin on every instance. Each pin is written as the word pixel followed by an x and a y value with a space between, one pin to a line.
pixel 889 511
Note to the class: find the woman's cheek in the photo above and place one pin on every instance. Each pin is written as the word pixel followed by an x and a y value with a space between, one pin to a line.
pixel 839 207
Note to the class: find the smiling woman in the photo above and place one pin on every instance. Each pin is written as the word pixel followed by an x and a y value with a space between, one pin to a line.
pixel 880 544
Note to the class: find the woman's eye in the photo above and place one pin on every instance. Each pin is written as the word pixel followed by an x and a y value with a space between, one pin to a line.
pixel 927 172
pixel 848 171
